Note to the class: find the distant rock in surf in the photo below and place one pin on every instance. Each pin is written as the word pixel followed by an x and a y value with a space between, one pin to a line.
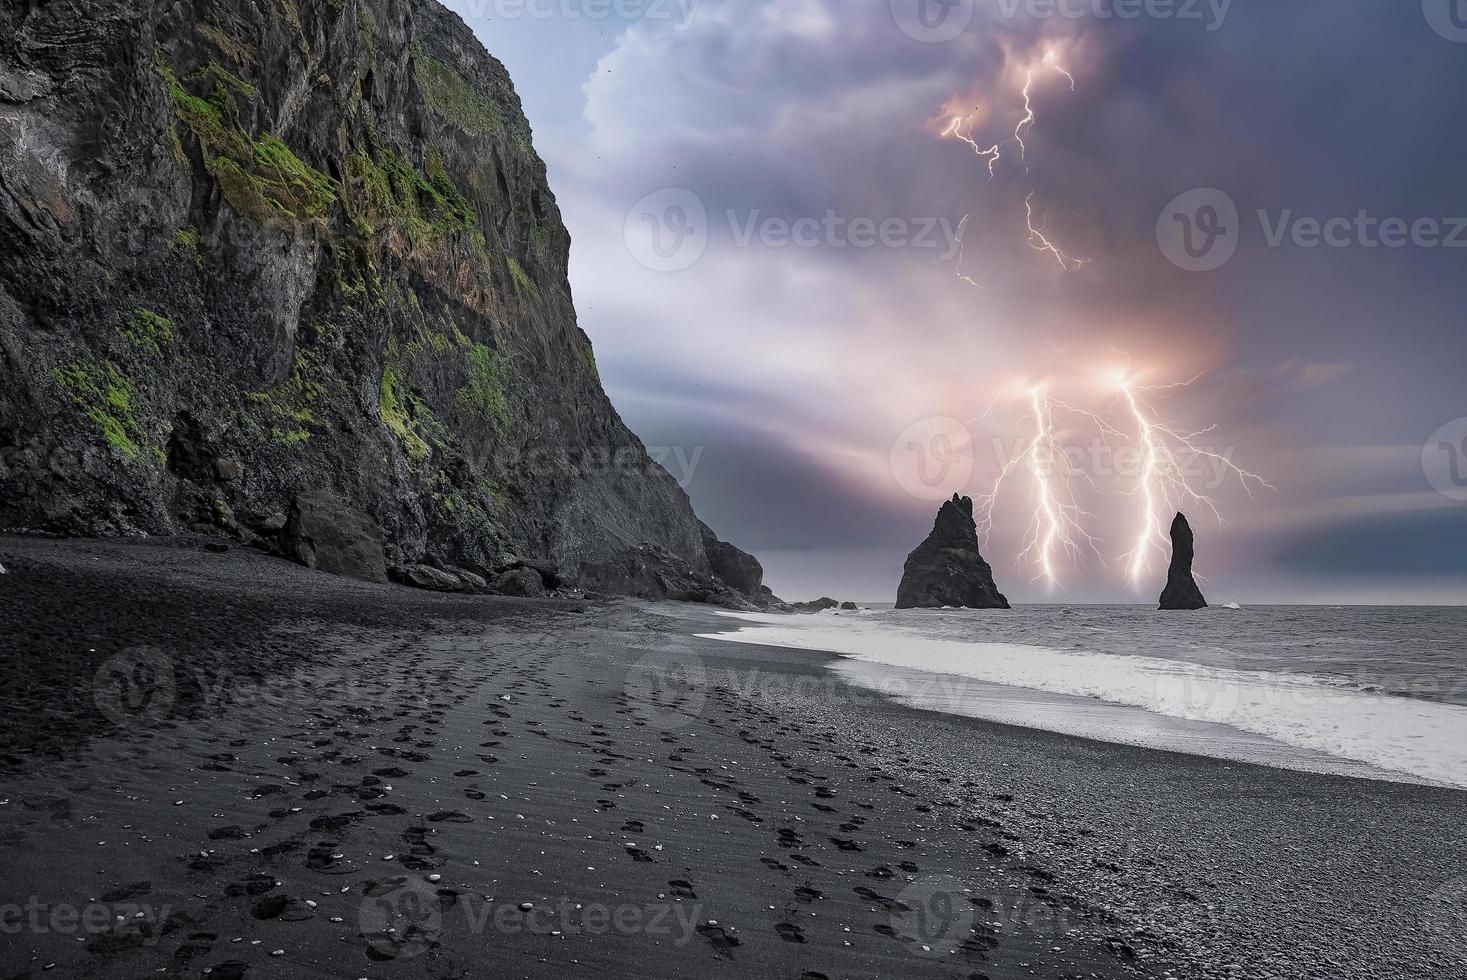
pixel 1182 592
pixel 947 569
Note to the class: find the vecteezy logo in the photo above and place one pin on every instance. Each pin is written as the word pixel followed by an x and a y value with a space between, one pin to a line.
pixel 400 918
pixel 667 231
pixel 1447 17
pixel 935 914
pixel 135 687
pixel 1199 231
pixel 933 21
pixel 667 690
pixel 933 459
pixel 1444 460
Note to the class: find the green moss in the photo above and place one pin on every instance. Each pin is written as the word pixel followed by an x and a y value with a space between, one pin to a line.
pixel 239 52
pixel 540 240
pixel 366 29
pixel 522 278
pixel 385 189
pixel 232 82
pixel 262 179
pixel 354 271
pixel 484 394
pixel 105 396
pixel 187 241
pixel 175 146
pixel 292 13
pixel 290 407
pixel 397 414
pixel 148 332
pixel 455 99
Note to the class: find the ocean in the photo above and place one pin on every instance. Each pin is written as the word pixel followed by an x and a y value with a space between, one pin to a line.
pixel 1374 691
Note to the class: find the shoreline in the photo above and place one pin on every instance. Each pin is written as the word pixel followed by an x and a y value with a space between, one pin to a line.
pixel 1045 674
pixel 598 759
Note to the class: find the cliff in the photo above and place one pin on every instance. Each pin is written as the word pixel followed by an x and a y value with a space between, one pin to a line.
pixel 257 249
pixel 947 568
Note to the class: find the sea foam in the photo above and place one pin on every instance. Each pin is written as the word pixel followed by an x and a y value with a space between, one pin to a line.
pixel 1416 738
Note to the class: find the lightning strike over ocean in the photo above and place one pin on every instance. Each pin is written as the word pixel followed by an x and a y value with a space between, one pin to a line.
pixel 1057 526
pixel 1165 481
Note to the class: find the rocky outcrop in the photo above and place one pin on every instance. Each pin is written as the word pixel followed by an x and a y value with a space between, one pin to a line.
pixel 1182 592
pixel 255 249
pixel 324 533
pixel 737 568
pixel 947 569
pixel 823 604
pixel 653 572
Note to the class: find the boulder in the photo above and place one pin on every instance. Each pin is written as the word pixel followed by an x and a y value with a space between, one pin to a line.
pixel 473 582
pixel 1181 591
pixel 324 533
pixel 524 583
pixel 947 569
pixel 850 607
pixel 738 568
pixel 819 605
pixel 548 571
pixel 427 577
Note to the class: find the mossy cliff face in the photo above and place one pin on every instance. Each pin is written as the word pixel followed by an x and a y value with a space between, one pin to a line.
pixel 254 249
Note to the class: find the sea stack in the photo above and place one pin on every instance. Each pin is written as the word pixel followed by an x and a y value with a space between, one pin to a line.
pixel 1182 592
pixel 947 569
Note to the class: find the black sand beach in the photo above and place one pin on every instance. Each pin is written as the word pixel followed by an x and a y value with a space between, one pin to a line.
pixel 224 765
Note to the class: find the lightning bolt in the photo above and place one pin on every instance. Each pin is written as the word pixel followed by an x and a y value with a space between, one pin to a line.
pixel 1163 484
pixel 962 248
pixel 990 154
pixel 1040 243
pixel 960 126
pixel 1057 527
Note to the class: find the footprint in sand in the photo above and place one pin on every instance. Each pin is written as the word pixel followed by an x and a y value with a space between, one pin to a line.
pixel 790 933
pixel 682 888
pixel 197 944
pixel 876 898
pixel 719 939
pixel 256 884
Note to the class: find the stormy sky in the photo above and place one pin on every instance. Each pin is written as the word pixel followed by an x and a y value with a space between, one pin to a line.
pixel 812 299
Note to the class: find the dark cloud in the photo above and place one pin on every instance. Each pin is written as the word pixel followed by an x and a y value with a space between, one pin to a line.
pixel 796 369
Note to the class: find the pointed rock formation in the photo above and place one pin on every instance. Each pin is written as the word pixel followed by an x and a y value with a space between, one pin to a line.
pixel 947 569
pixel 1182 592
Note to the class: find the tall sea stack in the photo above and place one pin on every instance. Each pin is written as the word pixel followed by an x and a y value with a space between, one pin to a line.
pixel 947 569
pixel 1181 591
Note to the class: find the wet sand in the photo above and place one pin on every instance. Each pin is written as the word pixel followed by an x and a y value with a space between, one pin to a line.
pixel 224 765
